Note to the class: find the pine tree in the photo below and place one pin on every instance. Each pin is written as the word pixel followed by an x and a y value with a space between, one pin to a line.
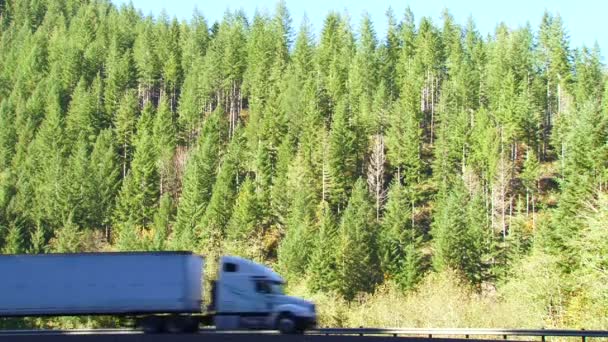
pixel 342 156
pixel 68 238
pixel 356 246
pixel 162 221
pixel 211 229
pixel 124 123
pixel 138 196
pixel 194 41
pixel 48 158
pixel 38 241
pixel 190 105
pixel 164 136
pixel 242 228
pixel 295 249
pixel 198 180
pixel 77 187
pixel 322 267
pixel 146 58
pixel 128 236
pixel 363 80
pixel 333 57
pixel 458 231
pixel 404 136
pixel 400 240
pixel 119 77
pixel 14 243
pixel 8 133
pixel 104 177
pixel 81 118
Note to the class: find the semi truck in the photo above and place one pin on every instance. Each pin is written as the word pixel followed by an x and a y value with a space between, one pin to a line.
pixel 159 291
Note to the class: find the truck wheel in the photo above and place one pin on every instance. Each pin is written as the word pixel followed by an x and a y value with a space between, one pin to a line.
pixel 151 324
pixel 191 324
pixel 286 324
pixel 182 324
pixel 176 324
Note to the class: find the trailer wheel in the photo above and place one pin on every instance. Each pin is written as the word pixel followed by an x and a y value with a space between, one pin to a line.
pixel 192 324
pixel 151 324
pixel 286 324
pixel 182 324
pixel 175 325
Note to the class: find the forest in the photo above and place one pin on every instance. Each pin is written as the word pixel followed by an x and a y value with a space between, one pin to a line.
pixel 433 164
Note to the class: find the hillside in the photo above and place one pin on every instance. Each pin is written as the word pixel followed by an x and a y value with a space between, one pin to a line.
pixel 368 169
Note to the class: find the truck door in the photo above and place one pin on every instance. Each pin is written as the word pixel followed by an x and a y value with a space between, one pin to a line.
pixel 261 305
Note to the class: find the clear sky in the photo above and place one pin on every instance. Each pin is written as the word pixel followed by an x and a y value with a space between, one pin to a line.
pixel 584 19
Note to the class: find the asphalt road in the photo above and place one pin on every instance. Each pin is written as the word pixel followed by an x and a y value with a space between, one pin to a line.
pixel 134 336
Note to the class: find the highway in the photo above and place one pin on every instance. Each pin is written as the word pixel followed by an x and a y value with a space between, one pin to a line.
pixel 119 335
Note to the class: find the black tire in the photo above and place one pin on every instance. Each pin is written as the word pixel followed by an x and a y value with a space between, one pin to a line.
pixel 182 324
pixel 175 325
pixel 151 324
pixel 286 324
pixel 192 324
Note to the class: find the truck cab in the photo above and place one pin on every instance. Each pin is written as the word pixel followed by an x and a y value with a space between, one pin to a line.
pixel 248 295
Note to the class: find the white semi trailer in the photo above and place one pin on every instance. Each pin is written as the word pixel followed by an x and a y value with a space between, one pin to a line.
pixel 162 291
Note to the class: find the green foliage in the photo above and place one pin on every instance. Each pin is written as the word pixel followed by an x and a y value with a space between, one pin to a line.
pixel 198 180
pixel 211 229
pixel 161 225
pixel 400 241
pixel 139 196
pixel 356 246
pixel 458 231
pixel 68 238
pixel 123 131
pixel 322 266
pixel 243 227
pixel 13 243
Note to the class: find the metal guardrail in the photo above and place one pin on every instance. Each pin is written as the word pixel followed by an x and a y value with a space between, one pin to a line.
pixel 504 333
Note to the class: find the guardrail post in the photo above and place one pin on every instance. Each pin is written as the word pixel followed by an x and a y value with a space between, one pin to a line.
pixel 361 327
pixel 542 338
pixel 466 336
pixel 504 337
pixel 430 335
pixel 583 338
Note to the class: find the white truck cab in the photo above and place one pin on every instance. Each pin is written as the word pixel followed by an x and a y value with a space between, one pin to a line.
pixel 249 295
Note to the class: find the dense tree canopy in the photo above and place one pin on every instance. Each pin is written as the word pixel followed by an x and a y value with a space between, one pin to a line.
pixel 350 158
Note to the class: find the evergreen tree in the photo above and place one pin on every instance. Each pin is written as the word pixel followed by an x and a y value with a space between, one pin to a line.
pixel 104 175
pixel 356 246
pixel 211 229
pixel 242 228
pixel 457 230
pixel 81 118
pixel 146 59
pixel 13 243
pixel 342 156
pixel 199 177
pixel 164 136
pixel 68 238
pixel 322 267
pixel 162 220
pixel 138 196
pixel 400 239
pixel 118 78
pixel 8 134
pixel 295 249
pixel 124 123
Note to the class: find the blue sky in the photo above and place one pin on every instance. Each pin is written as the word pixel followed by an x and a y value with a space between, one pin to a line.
pixel 584 19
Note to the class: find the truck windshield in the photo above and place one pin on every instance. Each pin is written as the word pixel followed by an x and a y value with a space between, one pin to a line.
pixel 277 288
